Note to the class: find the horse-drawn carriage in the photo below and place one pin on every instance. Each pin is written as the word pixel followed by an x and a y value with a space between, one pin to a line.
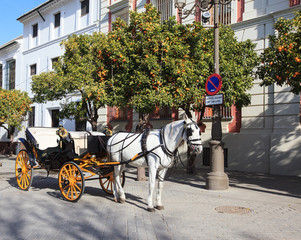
pixel 106 157
pixel 60 155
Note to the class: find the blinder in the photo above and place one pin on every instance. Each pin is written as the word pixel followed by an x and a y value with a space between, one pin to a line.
pixel 189 132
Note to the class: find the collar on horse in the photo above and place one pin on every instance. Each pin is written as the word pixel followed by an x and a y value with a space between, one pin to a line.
pixel 164 146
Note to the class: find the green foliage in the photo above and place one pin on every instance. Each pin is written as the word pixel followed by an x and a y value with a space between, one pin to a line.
pixel 146 65
pixel 76 72
pixel 281 62
pixel 14 106
pixel 149 64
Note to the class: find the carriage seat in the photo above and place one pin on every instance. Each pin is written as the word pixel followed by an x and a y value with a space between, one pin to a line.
pixel 45 137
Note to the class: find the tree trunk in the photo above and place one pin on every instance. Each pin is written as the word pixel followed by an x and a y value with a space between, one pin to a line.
pixel 94 125
pixel 143 121
pixel 10 133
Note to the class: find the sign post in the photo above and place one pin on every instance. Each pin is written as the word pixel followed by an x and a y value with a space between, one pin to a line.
pixel 216 179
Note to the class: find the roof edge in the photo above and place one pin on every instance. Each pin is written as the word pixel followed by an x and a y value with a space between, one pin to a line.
pixel 34 9
pixel 11 42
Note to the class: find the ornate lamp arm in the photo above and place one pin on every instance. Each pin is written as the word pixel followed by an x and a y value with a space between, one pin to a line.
pixel 200 5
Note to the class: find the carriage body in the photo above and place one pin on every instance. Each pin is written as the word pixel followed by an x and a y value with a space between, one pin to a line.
pixel 47 148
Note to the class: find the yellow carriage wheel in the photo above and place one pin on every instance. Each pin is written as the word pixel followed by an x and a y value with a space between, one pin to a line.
pixel 71 181
pixel 107 182
pixel 23 170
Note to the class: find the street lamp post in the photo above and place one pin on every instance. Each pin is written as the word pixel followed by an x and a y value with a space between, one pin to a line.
pixel 216 179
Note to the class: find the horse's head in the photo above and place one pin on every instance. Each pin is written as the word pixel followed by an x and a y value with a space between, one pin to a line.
pixel 192 136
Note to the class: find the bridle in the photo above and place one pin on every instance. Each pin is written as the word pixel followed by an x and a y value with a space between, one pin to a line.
pixel 189 132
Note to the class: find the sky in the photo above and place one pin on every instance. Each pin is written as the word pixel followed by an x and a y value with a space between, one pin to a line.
pixel 10 10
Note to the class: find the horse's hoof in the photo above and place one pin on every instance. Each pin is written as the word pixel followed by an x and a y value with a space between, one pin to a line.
pixel 160 207
pixel 115 199
pixel 121 200
pixel 151 209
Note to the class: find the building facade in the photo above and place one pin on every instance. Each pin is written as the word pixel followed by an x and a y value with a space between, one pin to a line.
pixel 263 137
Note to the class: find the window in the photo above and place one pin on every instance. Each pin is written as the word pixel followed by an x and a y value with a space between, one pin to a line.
pixel 1 74
pixel 10 74
pixel 226 112
pixel 80 125
pixel 31 117
pixel 53 61
pixel 57 20
pixel 33 69
pixel 294 2
pixel 240 10
pixel 34 30
pixel 55 120
pixel 84 6
pixel 118 114
pixel 161 113
pixel 165 7
pixel 225 13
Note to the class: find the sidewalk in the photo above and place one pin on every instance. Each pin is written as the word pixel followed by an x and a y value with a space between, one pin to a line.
pixel 256 206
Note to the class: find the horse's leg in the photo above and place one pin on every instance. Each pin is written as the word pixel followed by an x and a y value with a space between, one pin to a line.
pixel 118 191
pixel 152 171
pixel 161 175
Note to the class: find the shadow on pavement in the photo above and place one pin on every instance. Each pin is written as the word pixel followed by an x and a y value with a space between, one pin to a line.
pixel 274 184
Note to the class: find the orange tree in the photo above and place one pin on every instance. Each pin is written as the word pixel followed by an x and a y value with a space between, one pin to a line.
pixel 148 64
pixel 75 80
pixel 14 106
pixel 131 64
pixel 281 62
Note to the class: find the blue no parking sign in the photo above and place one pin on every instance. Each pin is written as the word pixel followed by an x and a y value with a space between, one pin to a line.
pixel 213 84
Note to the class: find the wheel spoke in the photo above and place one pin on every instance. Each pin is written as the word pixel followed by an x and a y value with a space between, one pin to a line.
pixel 75 192
pixel 27 182
pixel 65 187
pixel 105 181
pixel 77 187
pixel 66 170
pixel 68 191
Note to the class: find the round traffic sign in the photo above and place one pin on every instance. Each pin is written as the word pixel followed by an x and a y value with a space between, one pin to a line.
pixel 213 84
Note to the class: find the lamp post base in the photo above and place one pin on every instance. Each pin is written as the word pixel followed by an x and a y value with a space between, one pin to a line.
pixel 217 179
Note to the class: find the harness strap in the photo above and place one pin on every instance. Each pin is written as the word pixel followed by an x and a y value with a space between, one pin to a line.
pixel 163 145
pixel 143 143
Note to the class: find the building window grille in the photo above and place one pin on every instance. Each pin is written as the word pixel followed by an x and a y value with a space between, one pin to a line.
pixel 57 20
pixel 225 13
pixel 294 3
pixel 161 113
pixel 84 7
pixel 34 30
pixel 10 75
pixel 165 7
pixel 1 75
pixel 226 112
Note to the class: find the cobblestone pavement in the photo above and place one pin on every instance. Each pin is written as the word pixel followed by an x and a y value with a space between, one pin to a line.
pixel 255 207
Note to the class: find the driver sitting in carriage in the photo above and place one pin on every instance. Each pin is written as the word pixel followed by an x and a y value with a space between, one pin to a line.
pixel 51 157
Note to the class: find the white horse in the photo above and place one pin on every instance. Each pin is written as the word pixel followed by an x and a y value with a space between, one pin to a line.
pixel 155 149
